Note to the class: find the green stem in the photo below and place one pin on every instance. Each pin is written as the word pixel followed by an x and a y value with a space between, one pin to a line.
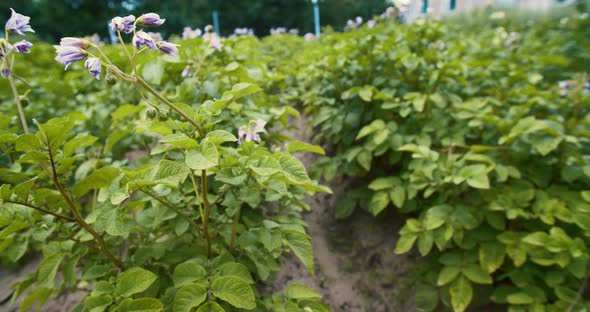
pixel 151 90
pixel 169 206
pixel 234 229
pixel 76 213
pixel 201 211
pixel 21 112
pixel 204 184
pixel 41 210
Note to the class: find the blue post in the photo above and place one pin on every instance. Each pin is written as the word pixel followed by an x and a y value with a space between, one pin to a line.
pixel 216 23
pixel 316 17
pixel 424 9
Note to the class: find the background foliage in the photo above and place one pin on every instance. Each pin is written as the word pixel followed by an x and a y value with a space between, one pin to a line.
pixel 56 19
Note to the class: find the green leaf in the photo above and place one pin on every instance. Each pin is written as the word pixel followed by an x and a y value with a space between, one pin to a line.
pixel 425 242
pixel 238 270
pixel 243 89
pixel 133 281
pixel 126 110
pixel 265 166
pixel 398 196
pixel 491 256
pixel 28 141
pixel 298 146
pixel 373 127
pixel 171 173
pixel 211 306
pixel 80 141
pixel 476 274
pixel 447 275
pixel 203 159
pixel 519 298
pixel 536 239
pixel 298 291
pixel 419 102
pixel 140 305
pixel 153 72
pixel 436 216
pixel 378 202
pixel 364 159
pixel 48 270
pixel 366 93
pixel 426 297
pixel 188 272
pixel 100 178
pixel 479 182
pixel 461 294
pixel 188 297
pixel 380 184
pixel 97 303
pixel 221 136
pixel 405 243
pixel 180 140
pixel 109 220
pixel 234 291
pixel 293 169
pixel 299 243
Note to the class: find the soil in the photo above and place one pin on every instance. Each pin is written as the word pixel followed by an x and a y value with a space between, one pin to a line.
pixel 356 268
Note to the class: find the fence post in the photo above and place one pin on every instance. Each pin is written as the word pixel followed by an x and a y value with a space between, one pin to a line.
pixel 316 17
pixel 216 23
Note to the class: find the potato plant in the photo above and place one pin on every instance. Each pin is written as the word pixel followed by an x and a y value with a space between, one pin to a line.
pixel 156 188
pixel 480 136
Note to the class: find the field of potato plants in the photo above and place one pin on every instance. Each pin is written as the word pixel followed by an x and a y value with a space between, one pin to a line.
pixel 431 166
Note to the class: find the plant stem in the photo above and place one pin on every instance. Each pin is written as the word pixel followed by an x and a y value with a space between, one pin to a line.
pixel 204 184
pixel 41 210
pixel 234 229
pixel 169 206
pixel 581 291
pixel 170 104
pixel 21 112
pixel 77 216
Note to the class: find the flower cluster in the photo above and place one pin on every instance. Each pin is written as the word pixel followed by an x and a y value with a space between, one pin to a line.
pixel 245 31
pixel 391 12
pixel 19 24
pixel 565 85
pixel 350 24
pixel 309 37
pixel 72 49
pixel 212 38
pixel 278 31
pixel 250 132
pixel 189 33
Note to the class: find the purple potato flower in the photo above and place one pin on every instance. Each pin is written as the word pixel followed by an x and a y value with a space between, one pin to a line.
pixel 188 33
pixel 18 23
pixel 168 48
pixel 23 46
pixel 123 24
pixel 94 66
pixel 4 70
pixel 142 38
pixel 186 71
pixel 68 55
pixel 250 132
pixel 150 20
pixel 74 42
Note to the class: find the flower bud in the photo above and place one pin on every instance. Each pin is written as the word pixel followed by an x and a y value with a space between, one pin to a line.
pixel 163 116
pixel 111 79
pixel 151 113
pixel 24 100
pixel 150 20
